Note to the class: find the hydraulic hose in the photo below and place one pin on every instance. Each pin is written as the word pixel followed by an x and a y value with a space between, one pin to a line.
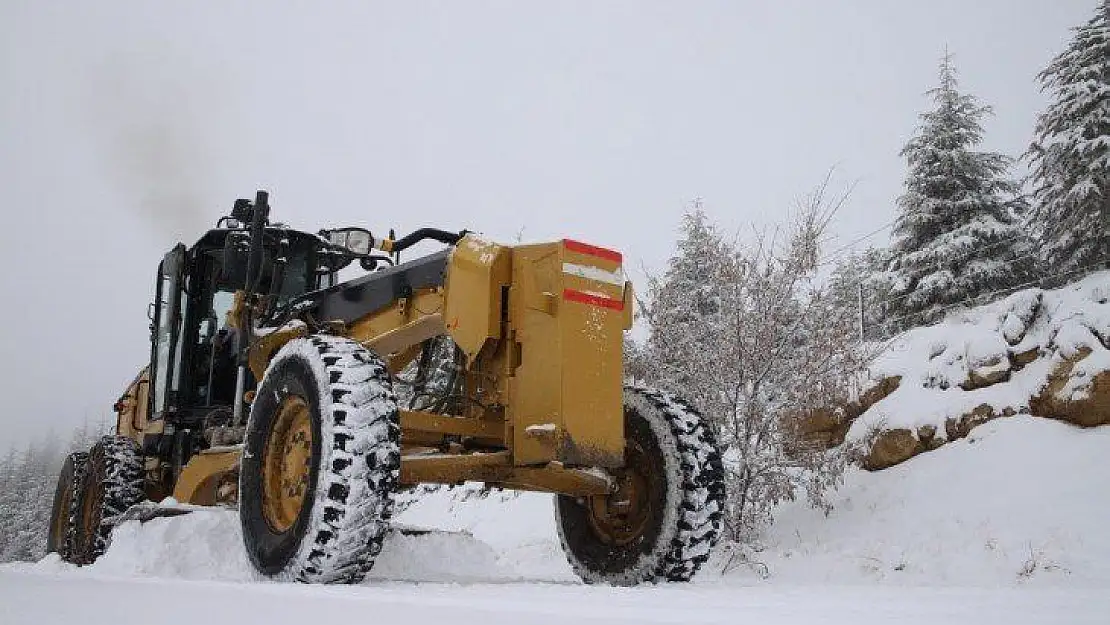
pixel 435 234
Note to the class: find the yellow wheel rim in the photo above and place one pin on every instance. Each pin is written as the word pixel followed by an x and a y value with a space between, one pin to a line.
pixel 286 463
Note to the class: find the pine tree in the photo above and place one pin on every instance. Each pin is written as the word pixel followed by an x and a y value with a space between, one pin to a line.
pixel 9 503
pixel 20 508
pixel 862 273
pixel 1070 154
pixel 957 237
pixel 686 305
pixel 27 482
pixel 82 438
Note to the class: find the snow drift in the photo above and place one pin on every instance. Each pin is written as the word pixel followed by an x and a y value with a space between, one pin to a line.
pixel 1045 353
pixel 1018 502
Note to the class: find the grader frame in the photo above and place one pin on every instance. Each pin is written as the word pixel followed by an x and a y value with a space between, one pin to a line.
pixel 511 359
pixel 530 423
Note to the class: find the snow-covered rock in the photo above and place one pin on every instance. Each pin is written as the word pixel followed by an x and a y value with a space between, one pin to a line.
pixel 1035 352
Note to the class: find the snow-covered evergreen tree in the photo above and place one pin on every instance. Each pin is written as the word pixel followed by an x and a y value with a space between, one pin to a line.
pixel 862 271
pixel 687 306
pixel 27 482
pixel 9 499
pixel 957 236
pixel 1070 154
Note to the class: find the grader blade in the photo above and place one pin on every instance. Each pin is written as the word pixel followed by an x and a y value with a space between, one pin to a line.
pixel 148 510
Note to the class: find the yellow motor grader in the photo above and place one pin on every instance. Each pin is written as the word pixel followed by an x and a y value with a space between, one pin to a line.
pixel 274 387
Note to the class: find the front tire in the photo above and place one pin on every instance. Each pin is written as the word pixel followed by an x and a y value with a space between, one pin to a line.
pixel 320 463
pixel 666 515
pixel 112 483
pixel 62 534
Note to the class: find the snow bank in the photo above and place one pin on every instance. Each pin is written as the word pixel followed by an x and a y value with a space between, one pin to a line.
pixel 519 526
pixel 1020 501
pixel 450 535
pixel 1038 352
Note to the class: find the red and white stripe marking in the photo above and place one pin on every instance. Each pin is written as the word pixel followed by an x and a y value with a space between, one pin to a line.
pixel 597 274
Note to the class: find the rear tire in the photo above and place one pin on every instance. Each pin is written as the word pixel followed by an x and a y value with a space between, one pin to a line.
pixel 666 516
pixel 62 533
pixel 113 482
pixel 320 463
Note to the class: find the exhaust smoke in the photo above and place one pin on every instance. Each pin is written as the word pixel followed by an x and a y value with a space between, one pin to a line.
pixel 152 126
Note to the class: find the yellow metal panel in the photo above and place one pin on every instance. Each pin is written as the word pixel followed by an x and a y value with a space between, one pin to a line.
pixel 476 273
pixel 535 389
pixel 199 478
pixel 591 320
pixel 131 409
pixel 496 469
pixel 442 424
pixel 567 308
pixel 404 323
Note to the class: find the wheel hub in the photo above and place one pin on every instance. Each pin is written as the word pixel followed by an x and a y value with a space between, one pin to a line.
pixel 286 462
pixel 621 516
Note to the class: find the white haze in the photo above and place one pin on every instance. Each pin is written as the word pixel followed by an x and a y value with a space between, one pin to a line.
pixel 126 126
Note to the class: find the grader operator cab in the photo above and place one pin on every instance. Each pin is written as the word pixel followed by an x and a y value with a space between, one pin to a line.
pixel 273 387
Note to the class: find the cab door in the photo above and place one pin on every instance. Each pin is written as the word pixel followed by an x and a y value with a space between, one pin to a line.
pixel 164 331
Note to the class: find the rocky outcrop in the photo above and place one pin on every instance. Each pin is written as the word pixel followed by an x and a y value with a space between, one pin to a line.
pixel 827 427
pixel 1043 353
pixel 995 370
pixel 890 448
pixel 1018 360
pixel 1089 407
pixel 959 427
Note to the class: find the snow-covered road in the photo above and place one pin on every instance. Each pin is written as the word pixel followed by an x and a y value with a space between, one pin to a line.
pixel 1006 526
pixel 33 598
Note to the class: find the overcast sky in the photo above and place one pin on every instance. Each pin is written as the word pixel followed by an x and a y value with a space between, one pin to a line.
pixel 125 127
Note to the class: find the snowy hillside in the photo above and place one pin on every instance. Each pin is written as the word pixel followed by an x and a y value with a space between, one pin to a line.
pixel 1039 352
pixel 1018 502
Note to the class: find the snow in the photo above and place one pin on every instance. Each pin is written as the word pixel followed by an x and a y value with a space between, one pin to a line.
pixel 934 361
pixel 1007 525
pixel 125 601
pixel 590 272
pixel 1016 493
pixel 487 250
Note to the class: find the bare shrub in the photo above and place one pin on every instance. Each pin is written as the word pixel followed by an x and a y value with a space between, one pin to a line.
pixel 752 336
